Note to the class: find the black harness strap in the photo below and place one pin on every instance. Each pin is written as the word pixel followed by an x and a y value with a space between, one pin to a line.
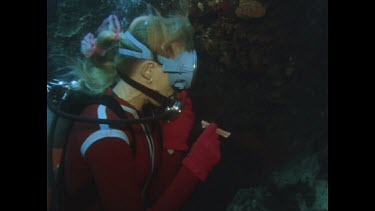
pixel 165 101
pixel 111 103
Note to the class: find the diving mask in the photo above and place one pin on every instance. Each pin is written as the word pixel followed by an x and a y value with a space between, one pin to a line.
pixel 181 70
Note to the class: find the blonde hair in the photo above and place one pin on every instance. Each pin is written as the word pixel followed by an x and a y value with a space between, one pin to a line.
pixel 155 32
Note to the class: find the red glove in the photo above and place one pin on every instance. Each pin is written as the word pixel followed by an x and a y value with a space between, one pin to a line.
pixel 176 132
pixel 205 153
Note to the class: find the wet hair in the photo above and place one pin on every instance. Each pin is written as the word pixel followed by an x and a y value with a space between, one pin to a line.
pixel 155 32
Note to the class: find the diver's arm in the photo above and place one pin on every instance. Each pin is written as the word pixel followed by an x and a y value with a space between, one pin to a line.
pixel 203 156
pixel 170 164
pixel 110 161
pixel 177 192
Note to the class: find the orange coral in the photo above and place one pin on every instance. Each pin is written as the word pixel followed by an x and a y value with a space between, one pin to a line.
pixel 250 9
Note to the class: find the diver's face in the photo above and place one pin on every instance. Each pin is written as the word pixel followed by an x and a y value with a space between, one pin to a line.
pixel 150 74
pixel 161 77
pixel 161 81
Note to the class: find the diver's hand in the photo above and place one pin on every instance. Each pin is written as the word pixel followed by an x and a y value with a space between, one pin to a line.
pixel 176 131
pixel 204 154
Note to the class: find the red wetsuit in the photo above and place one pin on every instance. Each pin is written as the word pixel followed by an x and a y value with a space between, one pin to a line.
pixel 101 173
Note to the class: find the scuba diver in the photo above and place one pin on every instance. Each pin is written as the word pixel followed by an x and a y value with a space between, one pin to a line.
pixel 144 165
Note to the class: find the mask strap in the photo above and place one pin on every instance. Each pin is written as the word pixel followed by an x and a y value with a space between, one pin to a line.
pixel 145 54
pixel 165 101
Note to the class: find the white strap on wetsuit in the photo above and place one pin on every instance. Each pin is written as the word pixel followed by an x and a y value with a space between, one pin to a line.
pixel 104 132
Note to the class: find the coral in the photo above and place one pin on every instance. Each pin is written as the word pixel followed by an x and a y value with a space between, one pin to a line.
pixel 249 199
pixel 303 171
pixel 200 6
pixel 250 9
pixel 321 195
pixel 295 187
pixel 73 28
pixel 75 18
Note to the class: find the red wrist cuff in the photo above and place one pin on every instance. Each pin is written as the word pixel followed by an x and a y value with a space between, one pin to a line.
pixel 189 163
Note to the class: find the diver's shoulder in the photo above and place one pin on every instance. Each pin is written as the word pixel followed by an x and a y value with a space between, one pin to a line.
pixel 92 110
